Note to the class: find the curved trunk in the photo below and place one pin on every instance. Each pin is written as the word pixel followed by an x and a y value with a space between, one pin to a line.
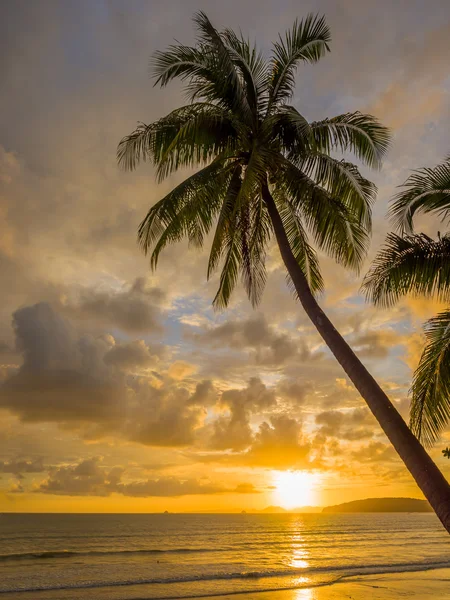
pixel 426 474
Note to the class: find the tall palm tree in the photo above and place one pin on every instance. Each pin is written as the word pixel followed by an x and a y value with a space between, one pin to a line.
pixel 413 263
pixel 265 170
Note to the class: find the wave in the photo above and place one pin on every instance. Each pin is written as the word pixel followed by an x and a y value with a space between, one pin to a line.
pixel 73 553
pixel 336 573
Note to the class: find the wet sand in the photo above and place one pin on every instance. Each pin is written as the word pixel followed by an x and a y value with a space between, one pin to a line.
pixel 422 585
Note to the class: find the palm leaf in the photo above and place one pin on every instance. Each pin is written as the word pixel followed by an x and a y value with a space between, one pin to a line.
pixel 291 129
pixel 307 40
pixel 253 69
pixel 430 407
pixel 188 136
pixel 342 180
pixel 336 229
pixel 353 132
pixel 196 199
pixel 413 264
pixel 298 241
pixel 426 190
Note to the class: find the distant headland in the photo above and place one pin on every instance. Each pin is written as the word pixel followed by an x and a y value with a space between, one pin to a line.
pixel 381 505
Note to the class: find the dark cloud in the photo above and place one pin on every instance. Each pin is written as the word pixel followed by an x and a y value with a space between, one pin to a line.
pixel 85 478
pixel 350 425
pixel 376 344
pixel 164 416
pixel 376 452
pixel 133 354
pixel 293 390
pixel 90 478
pixel 205 394
pixel 19 466
pixel 133 310
pixel 63 378
pixel 85 382
pixel 266 346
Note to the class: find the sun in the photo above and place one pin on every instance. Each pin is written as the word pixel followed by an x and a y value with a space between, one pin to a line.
pixel 295 488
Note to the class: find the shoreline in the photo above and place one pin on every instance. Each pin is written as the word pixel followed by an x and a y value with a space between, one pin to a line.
pixel 423 585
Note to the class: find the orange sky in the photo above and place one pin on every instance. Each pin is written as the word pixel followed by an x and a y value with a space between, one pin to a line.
pixel 121 390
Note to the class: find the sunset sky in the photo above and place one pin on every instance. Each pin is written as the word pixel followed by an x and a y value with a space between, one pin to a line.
pixel 122 390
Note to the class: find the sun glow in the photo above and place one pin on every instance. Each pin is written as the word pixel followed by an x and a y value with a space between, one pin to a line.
pixel 295 488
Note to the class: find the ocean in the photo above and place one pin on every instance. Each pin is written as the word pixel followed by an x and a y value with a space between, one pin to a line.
pixel 124 557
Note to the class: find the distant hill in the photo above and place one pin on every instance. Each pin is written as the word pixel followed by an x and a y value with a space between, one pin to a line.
pixel 273 509
pixel 380 505
pixel 280 509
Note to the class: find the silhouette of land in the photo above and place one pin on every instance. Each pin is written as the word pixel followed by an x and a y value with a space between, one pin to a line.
pixel 381 505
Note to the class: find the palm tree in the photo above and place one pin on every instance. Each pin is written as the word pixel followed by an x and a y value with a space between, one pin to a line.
pixel 413 263
pixel 264 170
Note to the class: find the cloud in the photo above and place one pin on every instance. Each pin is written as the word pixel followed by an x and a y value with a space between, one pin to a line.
pixel 164 416
pixel 293 390
pixel 19 466
pixel 376 344
pixel 376 452
pixel 417 92
pixel 90 478
pixel 246 488
pixel 265 345
pixel 63 378
pixel 206 394
pixel 133 310
pixel 278 445
pixel 181 369
pixel 84 382
pixel 234 431
pixel 133 354
pixel 350 425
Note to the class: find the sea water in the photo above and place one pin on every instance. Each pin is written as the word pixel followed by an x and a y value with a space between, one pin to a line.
pixel 74 557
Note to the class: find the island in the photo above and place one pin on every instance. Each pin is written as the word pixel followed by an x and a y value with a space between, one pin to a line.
pixel 372 505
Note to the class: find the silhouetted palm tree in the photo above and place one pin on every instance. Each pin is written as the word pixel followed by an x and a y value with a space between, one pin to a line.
pixel 416 264
pixel 264 170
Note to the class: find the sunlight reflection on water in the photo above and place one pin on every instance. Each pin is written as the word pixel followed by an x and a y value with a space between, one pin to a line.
pixel 305 594
pixel 300 555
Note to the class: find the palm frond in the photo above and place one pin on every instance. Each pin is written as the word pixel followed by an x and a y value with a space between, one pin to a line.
pixel 291 129
pixel 231 266
pixel 189 206
pixel 343 181
pixel 413 264
pixel 225 221
pixel 231 239
pixel 307 40
pixel 207 68
pixel 363 135
pixel 188 136
pixel 337 230
pixel 430 406
pixel 253 69
pixel 254 229
pixel 298 241
pixel 225 86
pixel 426 190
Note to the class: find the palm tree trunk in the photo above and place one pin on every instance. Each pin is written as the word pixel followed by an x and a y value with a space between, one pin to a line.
pixel 426 474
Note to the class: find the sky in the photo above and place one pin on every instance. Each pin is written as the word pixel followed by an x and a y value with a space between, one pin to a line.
pixel 121 390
